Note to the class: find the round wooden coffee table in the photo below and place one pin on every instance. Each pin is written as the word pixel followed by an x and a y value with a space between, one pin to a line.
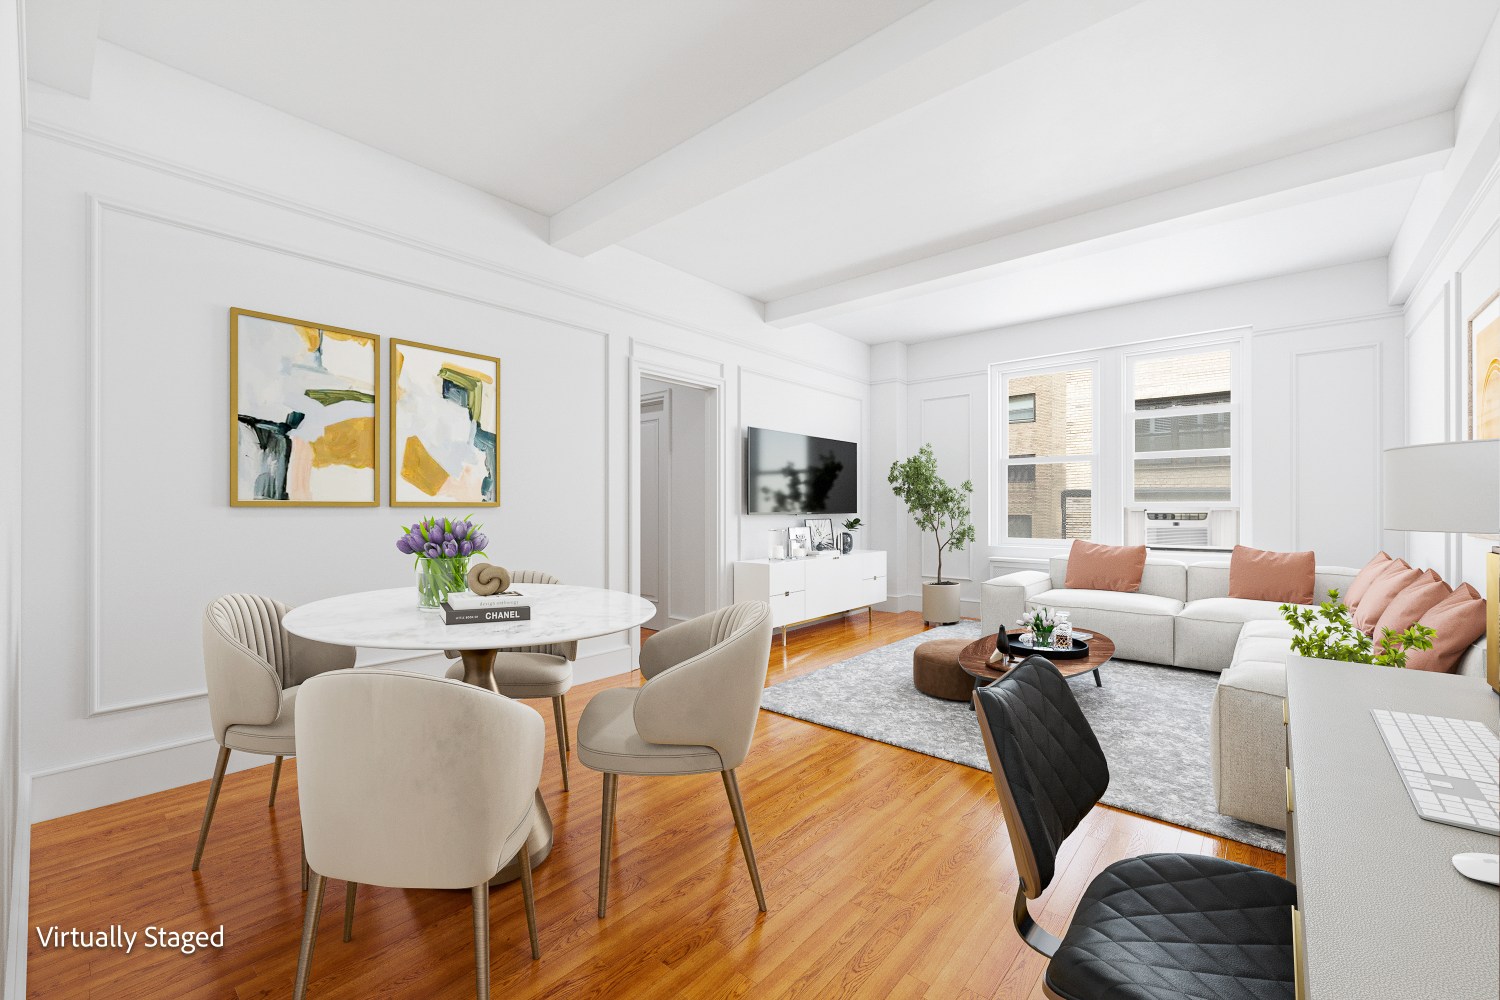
pixel 974 658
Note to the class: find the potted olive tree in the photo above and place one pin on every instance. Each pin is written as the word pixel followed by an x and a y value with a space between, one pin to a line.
pixel 938 508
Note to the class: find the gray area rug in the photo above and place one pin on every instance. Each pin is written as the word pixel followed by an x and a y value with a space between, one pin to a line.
pixel 1151 721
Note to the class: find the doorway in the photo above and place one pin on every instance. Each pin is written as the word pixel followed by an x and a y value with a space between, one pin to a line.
pixel 678 524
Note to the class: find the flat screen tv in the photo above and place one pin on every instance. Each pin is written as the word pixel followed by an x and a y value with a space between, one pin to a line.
pixel 796 474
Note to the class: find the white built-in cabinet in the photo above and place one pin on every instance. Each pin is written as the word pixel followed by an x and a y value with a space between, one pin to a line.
pixel 800 590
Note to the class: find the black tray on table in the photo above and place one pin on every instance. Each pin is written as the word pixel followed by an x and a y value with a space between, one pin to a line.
pixel 1079 650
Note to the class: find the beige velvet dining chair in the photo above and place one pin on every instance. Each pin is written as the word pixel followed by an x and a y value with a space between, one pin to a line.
pixel 695 714
pixel 254 669
pixel 415 782
pixel 535 672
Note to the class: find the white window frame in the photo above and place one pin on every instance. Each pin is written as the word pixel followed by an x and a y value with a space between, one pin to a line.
pixel 1000 460
pixel 1238 450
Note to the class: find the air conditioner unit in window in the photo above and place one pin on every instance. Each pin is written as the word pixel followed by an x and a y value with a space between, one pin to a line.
pixel 1178 528
pixel 1184 528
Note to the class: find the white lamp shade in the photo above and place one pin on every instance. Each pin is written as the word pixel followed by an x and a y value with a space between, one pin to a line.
pixel 1451 486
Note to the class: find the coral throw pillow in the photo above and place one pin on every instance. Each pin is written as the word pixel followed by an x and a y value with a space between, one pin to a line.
pixel 1092 566
pixel 1258 575
pixel 1361 583
pixel 1459 622
pixel 1412 603
pixel 1382 592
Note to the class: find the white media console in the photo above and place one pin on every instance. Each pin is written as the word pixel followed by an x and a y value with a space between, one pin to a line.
pixel 799 590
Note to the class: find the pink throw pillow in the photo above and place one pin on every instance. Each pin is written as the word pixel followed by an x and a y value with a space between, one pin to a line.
pixel 1412 603
pixel 1382 592
pixel 1366 576
pixel 1459 622
pixel 1092 566
pixel 1259 575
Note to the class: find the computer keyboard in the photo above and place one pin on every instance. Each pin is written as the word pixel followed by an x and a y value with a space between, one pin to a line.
pixel 1451 767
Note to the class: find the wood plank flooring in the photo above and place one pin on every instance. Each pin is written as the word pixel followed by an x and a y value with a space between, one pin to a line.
pixel 888 874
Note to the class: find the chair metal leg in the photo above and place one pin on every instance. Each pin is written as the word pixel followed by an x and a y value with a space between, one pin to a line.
pixel 567 735
pixel 306 871
pixel 213 800
pixel 562 740
pixel 275 780
pixel 606 837
pixel 529 897
pixel 482 940
pixel 309 935
pixel 737 806
pixel 349 910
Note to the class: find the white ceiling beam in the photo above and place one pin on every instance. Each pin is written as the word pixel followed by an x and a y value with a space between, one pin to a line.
pixel 1407 150
pixel 941 45
pixel 60 36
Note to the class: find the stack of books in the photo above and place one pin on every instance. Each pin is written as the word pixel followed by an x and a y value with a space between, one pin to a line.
pixel 472 609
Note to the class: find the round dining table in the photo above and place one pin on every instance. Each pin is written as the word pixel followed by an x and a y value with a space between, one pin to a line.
pixel 390 619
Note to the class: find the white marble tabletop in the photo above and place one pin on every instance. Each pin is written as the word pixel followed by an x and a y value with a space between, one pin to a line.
pixel 389 619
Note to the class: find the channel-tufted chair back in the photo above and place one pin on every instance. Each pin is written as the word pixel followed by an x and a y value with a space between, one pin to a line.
pixel 533 576
pixel 704 680
pixel 1047 764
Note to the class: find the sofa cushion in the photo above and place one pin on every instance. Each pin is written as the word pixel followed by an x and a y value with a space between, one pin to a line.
pixel 1092 566
pixel 1107 600
pixel 1160 577
pixel 1280 628
pixel 1365 577
pixel 1205 632
pixel 1396 578
pixel 1141 625
pixel 1258 575
pixel 1412 603
pixel 1232 609
pixel 1459 621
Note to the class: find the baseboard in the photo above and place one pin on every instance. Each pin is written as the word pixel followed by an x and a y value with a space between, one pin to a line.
pixel 20 895
pixel 913 602
pixel 598 664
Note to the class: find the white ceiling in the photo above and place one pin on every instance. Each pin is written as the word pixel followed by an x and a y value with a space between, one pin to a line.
pixel 889 169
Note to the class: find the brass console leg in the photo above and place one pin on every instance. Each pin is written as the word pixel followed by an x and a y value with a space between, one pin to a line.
pixel 562 741
pixel 309 935
pixel 606 837
pixel 737 806
pixel 482 940
pixel 275 780
pixel 349 910
pixel 529 897
pixel 213 800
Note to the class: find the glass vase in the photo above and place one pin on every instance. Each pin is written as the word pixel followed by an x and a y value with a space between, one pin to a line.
pixel 1041 638
pixel 437 578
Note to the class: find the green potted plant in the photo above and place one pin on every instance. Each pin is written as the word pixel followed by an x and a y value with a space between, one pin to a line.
pixel 938 508
pixel 846 544
pixel 1328 633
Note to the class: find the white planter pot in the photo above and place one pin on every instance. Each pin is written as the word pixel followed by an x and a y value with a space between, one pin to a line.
pixel 940 603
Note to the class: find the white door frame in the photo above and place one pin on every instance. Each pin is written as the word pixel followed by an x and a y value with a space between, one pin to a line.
pixel 717 565
pixel 662 417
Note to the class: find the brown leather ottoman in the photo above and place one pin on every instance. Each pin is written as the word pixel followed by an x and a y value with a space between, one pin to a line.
pixel 935 670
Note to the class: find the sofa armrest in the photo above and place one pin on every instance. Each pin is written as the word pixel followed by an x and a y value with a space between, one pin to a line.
pixel 1003 599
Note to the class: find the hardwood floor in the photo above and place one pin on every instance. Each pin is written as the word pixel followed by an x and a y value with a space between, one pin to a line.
pixel 888 874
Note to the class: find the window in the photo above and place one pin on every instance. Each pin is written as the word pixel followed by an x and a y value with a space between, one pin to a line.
pixel 1184 441
pixel 1049 463
pixel 1023 409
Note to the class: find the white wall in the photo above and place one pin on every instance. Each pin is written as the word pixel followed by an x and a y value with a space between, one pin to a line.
pixel 162 201
pixel 1448 252
pixel 688 522
pixel 1325 396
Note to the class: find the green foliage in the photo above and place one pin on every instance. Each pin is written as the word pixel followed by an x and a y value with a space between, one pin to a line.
pixel 1328 633
pixel 932 503
pixel 853 524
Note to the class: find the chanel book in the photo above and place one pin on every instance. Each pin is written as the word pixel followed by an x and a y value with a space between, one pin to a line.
pixel 468 600
pixel 477 616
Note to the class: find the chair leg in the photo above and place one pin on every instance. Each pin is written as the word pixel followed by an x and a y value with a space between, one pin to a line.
pixel 482 940
pixel 528 895
pixel 213 800
pixel 275 780
pixel 305 869
pixel 349 910
pixel 567 734
pixel 562 740
pixel 737 806
pixel 606 837
pixel 309 935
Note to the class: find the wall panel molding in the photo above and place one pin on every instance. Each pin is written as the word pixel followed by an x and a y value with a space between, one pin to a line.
pixel 1299 452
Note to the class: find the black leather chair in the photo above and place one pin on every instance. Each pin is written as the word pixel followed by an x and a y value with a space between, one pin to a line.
pixel 1156 927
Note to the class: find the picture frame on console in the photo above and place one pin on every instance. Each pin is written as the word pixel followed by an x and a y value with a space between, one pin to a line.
pixel 798 538
pixel 823 539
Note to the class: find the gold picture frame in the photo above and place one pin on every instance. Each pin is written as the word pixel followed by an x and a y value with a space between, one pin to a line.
pixel 1482 336
pixel 449 456
pixel 273 370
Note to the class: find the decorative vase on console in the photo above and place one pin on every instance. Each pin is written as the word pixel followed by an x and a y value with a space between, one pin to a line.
pixel 442 547
pixel 846 540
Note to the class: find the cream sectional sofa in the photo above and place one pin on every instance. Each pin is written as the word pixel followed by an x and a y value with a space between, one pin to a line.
pixel 1183 616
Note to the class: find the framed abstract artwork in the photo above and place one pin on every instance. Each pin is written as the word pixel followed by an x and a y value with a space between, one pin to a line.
pixel 445 427
pixel 1484 369
pixel 302 404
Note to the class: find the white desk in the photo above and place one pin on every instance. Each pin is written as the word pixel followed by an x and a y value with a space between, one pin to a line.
pixel 1384 912
pixel 390 619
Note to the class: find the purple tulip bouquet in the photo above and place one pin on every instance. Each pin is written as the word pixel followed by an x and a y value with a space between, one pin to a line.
pixel 442 547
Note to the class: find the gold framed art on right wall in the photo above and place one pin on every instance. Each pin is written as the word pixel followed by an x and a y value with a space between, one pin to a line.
pixel 1483 335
